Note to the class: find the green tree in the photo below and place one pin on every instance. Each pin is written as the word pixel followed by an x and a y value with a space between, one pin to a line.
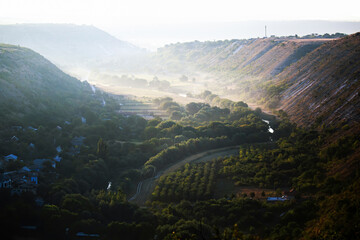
pixel 101 148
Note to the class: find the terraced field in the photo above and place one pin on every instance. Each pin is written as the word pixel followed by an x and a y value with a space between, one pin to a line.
pixel 146 110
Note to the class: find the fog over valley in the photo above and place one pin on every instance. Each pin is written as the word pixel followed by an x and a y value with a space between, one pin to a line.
pixel 179 119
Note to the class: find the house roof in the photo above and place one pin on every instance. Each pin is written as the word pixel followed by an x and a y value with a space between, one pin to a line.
pixel 32 128
pixel 58 149
pixel 57 158
pixel 26 169
pixel 274 199
pixel 11 157
pixel 14 138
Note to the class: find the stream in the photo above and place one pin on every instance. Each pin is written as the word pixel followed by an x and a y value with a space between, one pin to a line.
pixel 268 123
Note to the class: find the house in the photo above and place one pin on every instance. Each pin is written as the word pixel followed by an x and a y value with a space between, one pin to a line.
pixel 10 157
pixel 32 128
pixel 14 139
pixel 5 181
pixel 19 181
pixel 277 199
pixel 34 178
pixel 57 158
pixel 25 169
pixel 81 235
pixel 58 149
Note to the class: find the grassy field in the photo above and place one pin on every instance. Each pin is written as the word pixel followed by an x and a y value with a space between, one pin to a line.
pixel 143 93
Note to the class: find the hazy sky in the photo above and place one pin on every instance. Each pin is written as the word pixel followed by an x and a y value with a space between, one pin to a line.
pixel 98 12
pixel 114 15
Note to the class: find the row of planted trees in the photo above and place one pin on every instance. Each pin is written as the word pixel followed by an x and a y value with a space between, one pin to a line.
pixel 179 151
pixel 193 182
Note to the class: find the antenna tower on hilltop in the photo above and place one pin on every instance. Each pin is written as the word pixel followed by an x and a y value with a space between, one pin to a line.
pixel 265 32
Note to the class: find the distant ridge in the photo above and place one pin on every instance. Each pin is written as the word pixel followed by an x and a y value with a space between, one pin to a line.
pixel 35 91
pixel 68 44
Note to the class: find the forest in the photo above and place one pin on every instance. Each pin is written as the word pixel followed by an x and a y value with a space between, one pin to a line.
pixel 123 150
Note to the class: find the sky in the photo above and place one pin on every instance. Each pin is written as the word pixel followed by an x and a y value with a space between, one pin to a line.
pixel 142 17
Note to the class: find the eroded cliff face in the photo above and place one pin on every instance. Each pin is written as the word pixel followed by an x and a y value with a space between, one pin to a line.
pixel 324 85
pixel 239 59
pixel 237 69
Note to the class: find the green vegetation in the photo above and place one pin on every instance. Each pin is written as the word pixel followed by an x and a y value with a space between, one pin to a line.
pixel 294 162
pixel 194 182
pixel 104 155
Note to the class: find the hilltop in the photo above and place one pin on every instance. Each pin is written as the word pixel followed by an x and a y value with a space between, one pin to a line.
pixel 68 44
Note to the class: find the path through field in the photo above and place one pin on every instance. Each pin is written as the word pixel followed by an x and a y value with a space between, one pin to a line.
pixel 146 187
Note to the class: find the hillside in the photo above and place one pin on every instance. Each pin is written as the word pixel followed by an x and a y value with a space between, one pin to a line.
pixel 253 57
pixel 313 80
pixel 34 90
pixel 324 85
pixel 239 67
pixel 68 44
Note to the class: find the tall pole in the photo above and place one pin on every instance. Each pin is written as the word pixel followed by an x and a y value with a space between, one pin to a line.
pixel 265 32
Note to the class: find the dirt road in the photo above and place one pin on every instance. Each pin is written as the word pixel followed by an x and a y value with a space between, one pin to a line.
pixel 146 187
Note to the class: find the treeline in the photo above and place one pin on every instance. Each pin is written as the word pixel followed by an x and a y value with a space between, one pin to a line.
pixel 215 109
pixel 179 151
pixel 194 182
pixel 326 35
pixel 215 100
pixel 136 82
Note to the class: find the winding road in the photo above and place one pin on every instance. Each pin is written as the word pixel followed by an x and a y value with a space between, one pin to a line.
pixel 146 187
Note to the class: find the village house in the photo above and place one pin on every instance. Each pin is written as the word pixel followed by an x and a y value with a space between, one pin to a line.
pixel 23 180
pixel 277 199
pixel 5 181
pixel 14 139
pixel 10 157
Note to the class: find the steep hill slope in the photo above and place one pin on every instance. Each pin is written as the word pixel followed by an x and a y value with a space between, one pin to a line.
pixel 324 86
pixel 313 80
pixel 67 44
pixel 253 57
pixel 30 85
pixel 239 65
